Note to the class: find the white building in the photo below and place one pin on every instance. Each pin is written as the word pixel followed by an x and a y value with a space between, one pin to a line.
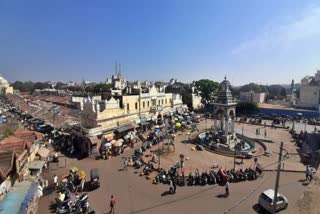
pixel 5 86
pixel 310 91
pixel 251 96
pixel 99 115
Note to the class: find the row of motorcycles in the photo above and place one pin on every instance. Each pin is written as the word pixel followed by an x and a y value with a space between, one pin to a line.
pixel 69 204
pixel 80 205
pixel 205 178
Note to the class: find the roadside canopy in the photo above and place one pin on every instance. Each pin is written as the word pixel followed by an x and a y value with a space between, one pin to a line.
pixel 43 152
pixel 36 165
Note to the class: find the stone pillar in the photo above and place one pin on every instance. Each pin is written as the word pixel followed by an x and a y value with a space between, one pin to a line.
pixel 221 123
pixel 226 125
pixel 81 105
pixel 232 126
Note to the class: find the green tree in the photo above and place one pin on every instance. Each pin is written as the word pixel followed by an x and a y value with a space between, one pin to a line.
pixel 183 89
pixel 207 88
pixel 101 87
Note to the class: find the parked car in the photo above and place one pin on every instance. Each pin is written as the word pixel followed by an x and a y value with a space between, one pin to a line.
pixel 266 201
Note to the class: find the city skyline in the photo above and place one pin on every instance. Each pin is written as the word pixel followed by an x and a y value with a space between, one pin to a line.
pixel 268 42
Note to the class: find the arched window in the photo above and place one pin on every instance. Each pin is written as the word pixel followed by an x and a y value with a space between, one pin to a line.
pixel 148 104
pixel 143 104
pixel 136 106
pixel 128 108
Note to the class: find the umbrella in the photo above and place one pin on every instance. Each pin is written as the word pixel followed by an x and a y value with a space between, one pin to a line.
pixel 118 143
pixel 178 125
pixel 109 144
pixel 109 136
pixel 156 126
pixel 126 137
pixel 176 119
pixel 74 169
pixel 82 174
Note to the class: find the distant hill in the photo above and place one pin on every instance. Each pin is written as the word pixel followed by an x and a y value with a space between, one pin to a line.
pixel 273 91
pixel 254 87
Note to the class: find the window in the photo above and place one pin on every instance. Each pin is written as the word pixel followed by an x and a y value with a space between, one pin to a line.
pixel 148 104
pixel 128 108
pixel 158 102
pixel 162 101
pixel 143 105
pixel 166 101
pixel 136 106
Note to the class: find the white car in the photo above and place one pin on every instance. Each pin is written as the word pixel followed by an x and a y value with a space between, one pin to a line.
pixel 266 201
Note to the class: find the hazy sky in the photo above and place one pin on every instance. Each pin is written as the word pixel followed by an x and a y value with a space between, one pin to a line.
pixel 263 41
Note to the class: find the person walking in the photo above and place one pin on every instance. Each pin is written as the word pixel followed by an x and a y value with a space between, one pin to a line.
pixel 112 204
pixel 227 188
pixel 55 181
pixel 125 164
pixel 265 133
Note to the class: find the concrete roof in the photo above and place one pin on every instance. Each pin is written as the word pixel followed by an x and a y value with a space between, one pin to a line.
pixel 13 143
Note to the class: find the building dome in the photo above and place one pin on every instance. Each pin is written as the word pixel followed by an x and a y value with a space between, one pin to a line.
pixel 224 94
pixel 3 82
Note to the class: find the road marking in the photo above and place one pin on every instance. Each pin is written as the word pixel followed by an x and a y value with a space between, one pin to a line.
pixel 247 196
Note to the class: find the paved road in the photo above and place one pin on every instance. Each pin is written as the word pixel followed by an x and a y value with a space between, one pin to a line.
pixel 135 194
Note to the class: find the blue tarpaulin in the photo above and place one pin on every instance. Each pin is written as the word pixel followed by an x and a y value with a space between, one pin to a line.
pixel 29 196
pixel 1 120
pixel 19 197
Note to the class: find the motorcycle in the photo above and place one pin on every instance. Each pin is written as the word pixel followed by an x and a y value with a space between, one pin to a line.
pixel 82 204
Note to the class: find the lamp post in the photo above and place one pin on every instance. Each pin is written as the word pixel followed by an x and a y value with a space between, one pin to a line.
pixel 234 158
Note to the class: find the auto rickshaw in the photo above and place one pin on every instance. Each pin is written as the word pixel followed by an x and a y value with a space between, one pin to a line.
pixel 94 179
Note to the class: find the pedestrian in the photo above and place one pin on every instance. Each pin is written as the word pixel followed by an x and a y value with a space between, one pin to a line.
pixel 55 181
pixel 310 174
pixel 112 204
pixel 307 172
pixel 227 188
pixel 125 164
pixel 265 133
pixel 154 157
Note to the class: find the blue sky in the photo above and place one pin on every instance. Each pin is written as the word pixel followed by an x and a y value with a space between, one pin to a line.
pixel 265 41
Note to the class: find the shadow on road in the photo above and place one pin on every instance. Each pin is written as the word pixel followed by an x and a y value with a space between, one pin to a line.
pixel 221 196
pixel 258 209
pixel 166 193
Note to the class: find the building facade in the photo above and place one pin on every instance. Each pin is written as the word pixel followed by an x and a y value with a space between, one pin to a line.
pixel 98 116
pixel 310 91
pixel 5 87
pixel 251 96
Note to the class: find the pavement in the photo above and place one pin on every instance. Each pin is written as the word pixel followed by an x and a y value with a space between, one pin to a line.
pixel 135 194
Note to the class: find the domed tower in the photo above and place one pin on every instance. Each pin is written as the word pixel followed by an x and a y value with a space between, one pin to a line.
pixel 225 108
pixel 225 105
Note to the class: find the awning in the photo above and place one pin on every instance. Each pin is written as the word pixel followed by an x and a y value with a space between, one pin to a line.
pixel 126 128
pixel 95 140
pixel 36 164
pixel 43 152
pixel 144 123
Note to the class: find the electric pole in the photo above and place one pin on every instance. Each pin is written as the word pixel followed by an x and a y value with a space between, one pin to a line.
pixel 275 198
